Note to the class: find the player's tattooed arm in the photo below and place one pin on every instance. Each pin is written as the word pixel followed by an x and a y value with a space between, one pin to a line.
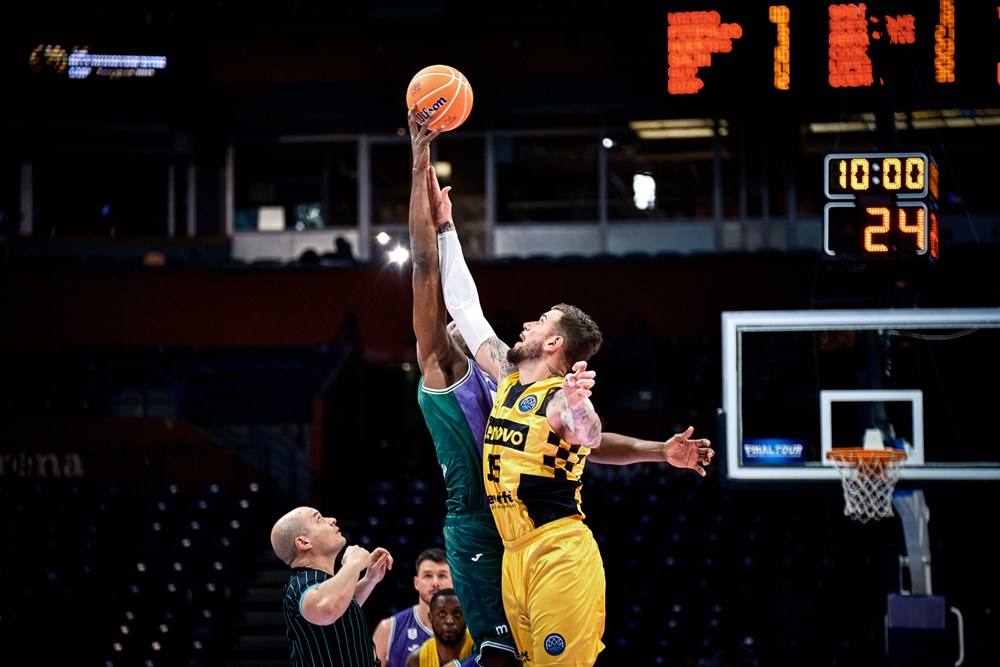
pixel 494 352
pixel 579 425
pixel 570 411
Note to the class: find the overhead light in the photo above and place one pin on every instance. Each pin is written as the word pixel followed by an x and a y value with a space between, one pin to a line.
pixel 607 142
pixel 399 255
pixel 679 133
pixel 679 128
pixel 924 119
pixel 841 126
pixel 860 122
pixel 936 118
pixel 673 123
pixel 382 238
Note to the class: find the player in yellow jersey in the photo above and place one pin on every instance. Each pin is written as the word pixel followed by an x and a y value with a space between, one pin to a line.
pixel 540 432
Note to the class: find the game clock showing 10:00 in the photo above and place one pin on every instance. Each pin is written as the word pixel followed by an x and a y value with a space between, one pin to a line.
pixel 881 205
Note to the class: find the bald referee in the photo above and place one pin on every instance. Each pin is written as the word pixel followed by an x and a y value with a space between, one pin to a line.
pixel 322 606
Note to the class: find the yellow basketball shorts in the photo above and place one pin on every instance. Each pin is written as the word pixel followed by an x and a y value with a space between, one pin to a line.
pixel 553 594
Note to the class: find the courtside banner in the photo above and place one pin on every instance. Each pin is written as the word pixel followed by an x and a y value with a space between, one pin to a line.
pixel 773 451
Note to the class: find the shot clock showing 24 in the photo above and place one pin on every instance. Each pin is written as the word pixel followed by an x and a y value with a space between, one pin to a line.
pixel 880 205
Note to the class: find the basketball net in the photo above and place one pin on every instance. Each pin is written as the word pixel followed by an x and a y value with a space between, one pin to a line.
pixel 869 477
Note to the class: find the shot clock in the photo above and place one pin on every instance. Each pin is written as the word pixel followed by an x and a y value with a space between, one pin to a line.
pixel 880 205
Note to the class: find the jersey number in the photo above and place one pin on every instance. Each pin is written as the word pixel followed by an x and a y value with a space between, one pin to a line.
pixel 494 472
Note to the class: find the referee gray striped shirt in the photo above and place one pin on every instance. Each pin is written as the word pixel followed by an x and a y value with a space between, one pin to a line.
pixel 346 642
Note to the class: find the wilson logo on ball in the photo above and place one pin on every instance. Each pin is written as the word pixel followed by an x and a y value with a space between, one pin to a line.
pixel 424 114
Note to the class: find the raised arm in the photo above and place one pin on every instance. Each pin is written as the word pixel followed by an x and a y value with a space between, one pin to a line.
pixel 460 294
pixel 680 451
pixel 379 561
pixel 325 603
pixel 570 412
pixel 436 355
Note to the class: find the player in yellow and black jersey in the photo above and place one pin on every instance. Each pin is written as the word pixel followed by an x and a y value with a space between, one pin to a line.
pixel 538 437
pixel 540 431
pixel 538 468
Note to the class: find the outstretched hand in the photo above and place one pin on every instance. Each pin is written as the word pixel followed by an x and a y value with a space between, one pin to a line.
pixel 683 452
pixel 577 384
pixel 440 201
pixel 379 561
pixel 354 554
pixel 420 141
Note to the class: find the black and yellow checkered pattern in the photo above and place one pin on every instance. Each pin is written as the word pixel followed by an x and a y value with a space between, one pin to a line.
pixel 531 475
pixel 565 459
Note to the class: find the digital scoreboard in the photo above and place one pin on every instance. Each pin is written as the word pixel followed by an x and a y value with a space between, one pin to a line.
pixel 933 52
pixel 880 205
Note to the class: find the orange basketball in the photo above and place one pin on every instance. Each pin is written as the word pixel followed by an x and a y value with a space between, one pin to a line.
pixel 440 96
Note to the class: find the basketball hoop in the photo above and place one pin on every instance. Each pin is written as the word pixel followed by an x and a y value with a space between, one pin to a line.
pixel 869 477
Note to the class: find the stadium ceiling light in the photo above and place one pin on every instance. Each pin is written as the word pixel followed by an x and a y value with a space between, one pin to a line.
pixel 925 119
pixel 842 126
pixel 937 118
pixel 861 122
pixel 680 123
pixel 382 238
pixel 679 128
pixel 679 133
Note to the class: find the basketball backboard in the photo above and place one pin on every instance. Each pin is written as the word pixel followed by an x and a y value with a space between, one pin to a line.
pixel 797 384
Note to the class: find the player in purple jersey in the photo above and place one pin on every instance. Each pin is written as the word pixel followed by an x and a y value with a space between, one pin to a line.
pixel 396 637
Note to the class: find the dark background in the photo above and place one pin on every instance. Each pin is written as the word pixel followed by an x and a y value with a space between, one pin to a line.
pixel 157 419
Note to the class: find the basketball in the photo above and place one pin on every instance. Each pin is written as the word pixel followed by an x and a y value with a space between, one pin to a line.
pixel 440 96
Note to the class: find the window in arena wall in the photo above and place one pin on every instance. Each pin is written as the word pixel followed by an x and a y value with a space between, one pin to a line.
pixel 390 182
pixel 546 178
pixel 680 169
pixel 100 194
pixel 461 162
pixel 301 186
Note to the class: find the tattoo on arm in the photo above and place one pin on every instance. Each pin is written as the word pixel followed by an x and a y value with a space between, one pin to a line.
pixel 580 417
pixel 446 227
pixel 581 421
pixel 498 353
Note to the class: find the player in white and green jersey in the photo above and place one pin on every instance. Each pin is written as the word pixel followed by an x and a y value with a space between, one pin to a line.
pixel 455 397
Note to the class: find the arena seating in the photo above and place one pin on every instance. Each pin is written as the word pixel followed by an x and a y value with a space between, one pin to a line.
pixel 128 576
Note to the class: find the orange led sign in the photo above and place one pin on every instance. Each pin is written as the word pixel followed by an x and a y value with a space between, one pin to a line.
pixel 944 43
pixel 780 15
pixel 891 230
pixel 692 38
pixel 850 65
pixel 729 52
